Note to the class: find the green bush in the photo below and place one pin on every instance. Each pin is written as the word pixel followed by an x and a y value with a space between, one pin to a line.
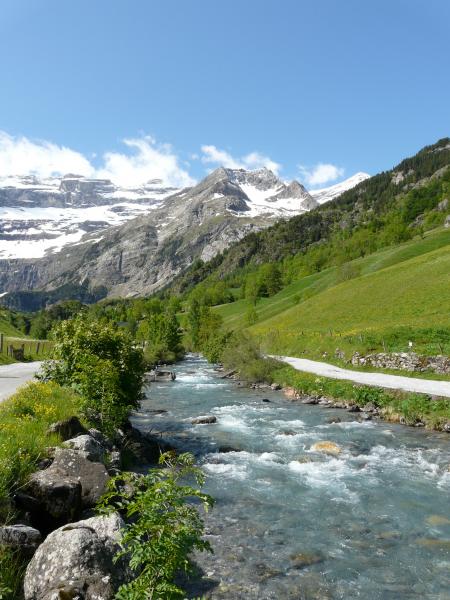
pixel 100 361
pixel 164 526
pixel 242 354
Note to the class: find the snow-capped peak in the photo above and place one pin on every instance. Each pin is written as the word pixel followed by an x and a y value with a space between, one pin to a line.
pixel 326 194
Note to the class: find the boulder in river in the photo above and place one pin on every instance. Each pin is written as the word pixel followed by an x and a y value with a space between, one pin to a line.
pixel 204 420
pixel 305 559
pixel 77 561
pixel 327 448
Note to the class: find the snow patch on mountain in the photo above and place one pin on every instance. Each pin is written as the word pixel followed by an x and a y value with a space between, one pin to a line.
pixel 40 217
pixel 326 194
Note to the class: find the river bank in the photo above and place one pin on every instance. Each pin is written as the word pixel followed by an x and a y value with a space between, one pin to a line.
pixel 292 522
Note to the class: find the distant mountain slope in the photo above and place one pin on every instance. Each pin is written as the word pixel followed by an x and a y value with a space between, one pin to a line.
pixel 141 255
pixel 394 195
pixel 39 217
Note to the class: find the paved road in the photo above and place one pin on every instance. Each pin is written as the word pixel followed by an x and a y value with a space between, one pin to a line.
pixel 15 375
pixel 397 382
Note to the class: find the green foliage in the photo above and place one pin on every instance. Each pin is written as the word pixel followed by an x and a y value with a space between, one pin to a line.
pixel 251 316
pixel 100 361
pixel 164 525
pixel 12 571
pixel 43 321
pixel 24 420
pixel 394 405
pixel 347 271
pixel 242 354
pixel 214 346
pixel 162 336
pixel 203 326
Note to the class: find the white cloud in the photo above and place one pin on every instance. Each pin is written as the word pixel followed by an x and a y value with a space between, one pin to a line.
pixel 149 161
pixel 146 160
pixel 320 174
pixel 21 156
pixel 254 160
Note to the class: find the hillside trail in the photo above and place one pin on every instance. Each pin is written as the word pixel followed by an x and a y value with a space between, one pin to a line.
pixel 396 382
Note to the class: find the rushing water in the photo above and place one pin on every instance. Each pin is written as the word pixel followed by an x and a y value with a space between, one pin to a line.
pixel 373 522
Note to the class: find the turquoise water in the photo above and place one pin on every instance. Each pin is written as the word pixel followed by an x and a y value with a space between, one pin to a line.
pixel 371 523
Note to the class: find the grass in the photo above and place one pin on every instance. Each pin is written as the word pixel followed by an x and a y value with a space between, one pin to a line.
pixel 24 421
pixel 401 294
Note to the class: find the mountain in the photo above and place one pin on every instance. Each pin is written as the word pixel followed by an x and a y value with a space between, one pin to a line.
pixel 39 217
pixel 329 193
pixel 378 211
pixel 80 238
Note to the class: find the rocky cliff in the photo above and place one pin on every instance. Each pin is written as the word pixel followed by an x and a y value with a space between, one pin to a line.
pixel 128 256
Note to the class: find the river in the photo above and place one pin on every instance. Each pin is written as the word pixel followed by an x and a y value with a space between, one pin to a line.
pixel 372 523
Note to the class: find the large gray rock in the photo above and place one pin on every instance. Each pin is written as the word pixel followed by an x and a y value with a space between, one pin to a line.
pixel 89 447
pixel 68 428
pixel 58 496
pixel 22 538
pixel 92 476
pixel 76 561
pixel 204 420
pixel 70 484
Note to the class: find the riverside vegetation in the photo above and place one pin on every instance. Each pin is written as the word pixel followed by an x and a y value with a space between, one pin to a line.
pixel 367 272
pixel 97 375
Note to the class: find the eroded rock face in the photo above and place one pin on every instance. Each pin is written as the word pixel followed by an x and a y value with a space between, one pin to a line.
pixel 76 561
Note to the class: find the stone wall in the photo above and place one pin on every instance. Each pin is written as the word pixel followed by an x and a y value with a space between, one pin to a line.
pixel 405 361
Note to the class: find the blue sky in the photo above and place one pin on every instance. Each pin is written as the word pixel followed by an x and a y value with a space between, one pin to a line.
pixel 353 84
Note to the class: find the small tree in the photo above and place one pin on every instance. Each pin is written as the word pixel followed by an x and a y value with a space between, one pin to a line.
pixel 164 526
pixel 100 361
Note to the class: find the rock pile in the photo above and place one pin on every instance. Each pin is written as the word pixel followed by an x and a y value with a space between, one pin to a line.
pixel 405 361
pixel 72 558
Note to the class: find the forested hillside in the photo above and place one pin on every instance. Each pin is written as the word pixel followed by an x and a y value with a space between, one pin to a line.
pixel 384 210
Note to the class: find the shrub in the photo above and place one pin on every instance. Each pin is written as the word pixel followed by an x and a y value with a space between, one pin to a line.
pixel 243 355
pixel 164 526
pixel 100 362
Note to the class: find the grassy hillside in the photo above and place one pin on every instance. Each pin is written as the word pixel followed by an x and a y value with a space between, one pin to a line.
pixel 7 328
pixel 382 211
pixel 399 294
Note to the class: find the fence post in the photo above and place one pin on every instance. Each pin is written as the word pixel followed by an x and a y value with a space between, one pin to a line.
pixel 1 343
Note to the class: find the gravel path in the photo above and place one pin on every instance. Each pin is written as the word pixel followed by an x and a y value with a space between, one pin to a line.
pixel 397 382
pixel 14 375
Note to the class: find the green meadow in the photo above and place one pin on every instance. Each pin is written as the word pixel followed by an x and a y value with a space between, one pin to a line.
pixel 392 297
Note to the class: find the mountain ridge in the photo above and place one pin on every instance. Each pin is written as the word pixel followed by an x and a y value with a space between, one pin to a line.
pixel 141 255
